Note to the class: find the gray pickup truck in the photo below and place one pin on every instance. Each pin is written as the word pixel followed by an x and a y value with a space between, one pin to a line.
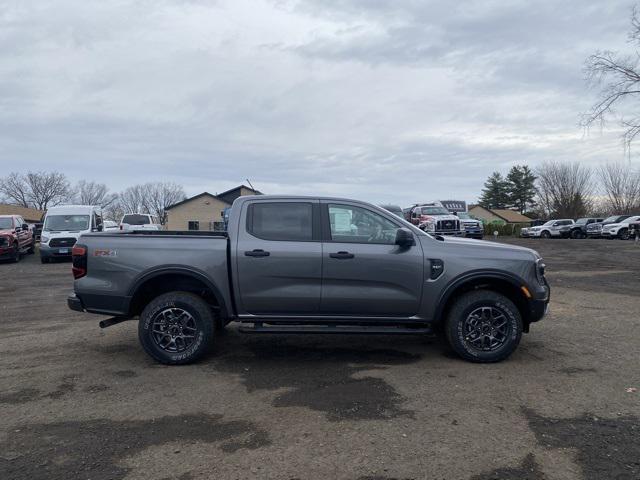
pixel 309 265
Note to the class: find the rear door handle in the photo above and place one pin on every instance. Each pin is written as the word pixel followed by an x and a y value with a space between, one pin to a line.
pixel 342 255
pixel 257 253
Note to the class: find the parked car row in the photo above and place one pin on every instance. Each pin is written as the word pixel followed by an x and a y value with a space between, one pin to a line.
pixel 616 226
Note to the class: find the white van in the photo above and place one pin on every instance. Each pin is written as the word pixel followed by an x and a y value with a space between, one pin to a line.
pixel 63 226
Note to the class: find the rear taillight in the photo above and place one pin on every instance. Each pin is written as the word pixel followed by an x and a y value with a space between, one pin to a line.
pixel 79 259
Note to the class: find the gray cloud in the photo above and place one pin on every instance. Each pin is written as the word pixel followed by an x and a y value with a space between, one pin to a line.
pixel 381 100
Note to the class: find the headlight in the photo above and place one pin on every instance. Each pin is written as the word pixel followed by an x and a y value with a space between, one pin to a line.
pixel 44 239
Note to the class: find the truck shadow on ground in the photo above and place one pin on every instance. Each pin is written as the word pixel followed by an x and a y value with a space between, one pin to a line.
pixel 319 374
pixel 95 448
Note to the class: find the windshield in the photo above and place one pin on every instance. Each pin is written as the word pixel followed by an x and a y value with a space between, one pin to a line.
pixel 6 223
pixel 465 216
pixel 550 222
pixel 434 211
pixel 582 220
pixel 136 219
pixel 66 223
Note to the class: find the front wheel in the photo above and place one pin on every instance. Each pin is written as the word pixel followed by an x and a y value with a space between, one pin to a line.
pixel 545 234
pixel 623 234
pixel 16 254
pixel 176 328
pixel 483 326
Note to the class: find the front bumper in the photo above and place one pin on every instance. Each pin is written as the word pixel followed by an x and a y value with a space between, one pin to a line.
pixel 474 233
pixel 538 306
pixel 54 252
pixel 7 251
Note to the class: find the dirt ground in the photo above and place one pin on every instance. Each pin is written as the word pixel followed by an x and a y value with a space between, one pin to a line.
pixel 80 402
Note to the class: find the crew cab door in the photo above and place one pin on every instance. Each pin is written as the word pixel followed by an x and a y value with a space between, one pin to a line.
pixel 23 236
pixel 363 272
pixel 279 257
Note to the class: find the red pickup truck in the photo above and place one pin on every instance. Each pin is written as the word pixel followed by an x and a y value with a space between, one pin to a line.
pixel 16 238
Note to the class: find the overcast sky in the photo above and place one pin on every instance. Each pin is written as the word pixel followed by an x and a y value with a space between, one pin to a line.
pixel 381 100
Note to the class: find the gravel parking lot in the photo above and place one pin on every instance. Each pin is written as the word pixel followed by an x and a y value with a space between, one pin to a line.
pixel 80 402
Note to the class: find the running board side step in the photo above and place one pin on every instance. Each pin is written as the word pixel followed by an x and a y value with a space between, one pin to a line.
pixel 337 329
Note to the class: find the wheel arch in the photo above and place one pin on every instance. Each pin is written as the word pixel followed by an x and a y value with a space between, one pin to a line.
pixel 504 283
pixel 158 281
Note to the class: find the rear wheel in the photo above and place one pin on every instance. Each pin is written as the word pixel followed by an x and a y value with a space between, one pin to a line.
pixel 545 234
pixel 176 328
pixel 483 326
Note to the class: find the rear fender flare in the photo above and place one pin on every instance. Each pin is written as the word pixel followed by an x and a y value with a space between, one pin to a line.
pixel 180 270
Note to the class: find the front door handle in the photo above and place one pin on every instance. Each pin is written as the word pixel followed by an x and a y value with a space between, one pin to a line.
pixel 342 255
pixel 258 252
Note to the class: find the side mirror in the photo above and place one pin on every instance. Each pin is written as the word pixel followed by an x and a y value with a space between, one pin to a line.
pixel 25 227
pixel 404 237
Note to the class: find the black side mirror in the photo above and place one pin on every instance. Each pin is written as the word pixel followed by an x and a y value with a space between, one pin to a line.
pixel 25 227
pixel 404 237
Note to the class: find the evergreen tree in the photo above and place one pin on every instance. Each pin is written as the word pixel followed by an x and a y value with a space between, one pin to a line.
pixel 521 190
pixel 495 193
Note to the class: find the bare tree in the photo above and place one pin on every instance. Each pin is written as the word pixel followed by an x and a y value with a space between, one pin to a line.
pixel 132 200
pixel 48 189
pixel 92 193
pixel 621 184
pixel 161 195
pixel 618 76
pixel 114 211
pixel 564 189
pixel 15 190
pixel 38 190
pixel 151 198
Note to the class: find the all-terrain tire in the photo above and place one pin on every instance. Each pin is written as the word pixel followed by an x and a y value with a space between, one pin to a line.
pixel 458 321
pixel 18 254
pixel 203 328
pixel 545 234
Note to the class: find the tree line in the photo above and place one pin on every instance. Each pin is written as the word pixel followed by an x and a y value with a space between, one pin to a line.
pixel 565 190
pixel 41 190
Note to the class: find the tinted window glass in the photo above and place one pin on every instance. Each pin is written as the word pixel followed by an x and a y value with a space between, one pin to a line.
pixel 134 219
pixel 6 223
pixel 281 221
pixel 359 225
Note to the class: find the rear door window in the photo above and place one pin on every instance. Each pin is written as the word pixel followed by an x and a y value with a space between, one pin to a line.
pixel 283 221
pixel 135 219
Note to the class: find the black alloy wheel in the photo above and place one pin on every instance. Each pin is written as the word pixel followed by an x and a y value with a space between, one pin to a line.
pixel 174 330
pixel 177 328
pixel 486 329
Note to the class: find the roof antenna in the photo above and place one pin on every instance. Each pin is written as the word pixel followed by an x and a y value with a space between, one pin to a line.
pixel 249 182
